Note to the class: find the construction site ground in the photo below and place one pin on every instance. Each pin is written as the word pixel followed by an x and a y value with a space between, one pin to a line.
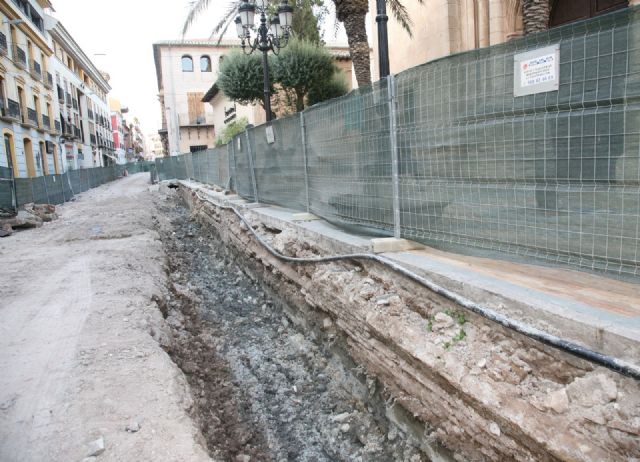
pixel 130 331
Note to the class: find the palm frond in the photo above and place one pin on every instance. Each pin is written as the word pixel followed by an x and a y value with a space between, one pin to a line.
pixel 402 16
pixel 226 21
pixel 196 7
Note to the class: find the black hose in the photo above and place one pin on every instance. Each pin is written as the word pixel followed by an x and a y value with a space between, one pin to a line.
pixel 617 365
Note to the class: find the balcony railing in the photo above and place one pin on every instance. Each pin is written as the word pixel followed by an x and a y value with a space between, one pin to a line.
pixel 32 116
pixel 3 44
pixel 19 57
pixel 48 80
pixel 46 122
pixel 36 69
pixel 12 110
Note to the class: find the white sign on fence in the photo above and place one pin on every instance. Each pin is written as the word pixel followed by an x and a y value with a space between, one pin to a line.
pixel 271 138
pixel 536 71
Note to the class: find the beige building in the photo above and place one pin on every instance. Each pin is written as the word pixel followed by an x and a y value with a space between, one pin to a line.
pixel 186 72
pixel 444 27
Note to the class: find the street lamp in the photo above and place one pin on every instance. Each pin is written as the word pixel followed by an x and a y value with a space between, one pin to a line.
pixel 268 37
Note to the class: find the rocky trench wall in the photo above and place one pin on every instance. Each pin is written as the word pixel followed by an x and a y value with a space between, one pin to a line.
pixel 464 387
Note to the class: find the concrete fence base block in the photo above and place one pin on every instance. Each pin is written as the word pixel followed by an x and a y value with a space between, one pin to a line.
pixel 392 244
pixel 254 205
pixel 304 217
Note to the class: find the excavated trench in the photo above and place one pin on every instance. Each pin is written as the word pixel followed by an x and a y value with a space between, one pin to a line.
pixel 267 383
pixel 348 361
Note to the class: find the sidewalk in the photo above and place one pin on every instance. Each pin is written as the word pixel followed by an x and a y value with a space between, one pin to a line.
pixel 77 355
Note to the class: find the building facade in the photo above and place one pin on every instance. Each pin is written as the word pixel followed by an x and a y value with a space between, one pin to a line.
pixel 193 111
pixel 117 129
pixel 53 110
pixel 28 119
pixel 450 26
pixel 185 71
pixel 81 102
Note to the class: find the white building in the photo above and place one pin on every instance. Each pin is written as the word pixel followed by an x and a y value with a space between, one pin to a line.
pixel 80 101
pixel 27 115
pixel 186 70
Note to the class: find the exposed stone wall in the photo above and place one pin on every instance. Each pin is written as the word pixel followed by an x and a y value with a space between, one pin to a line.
pixel 481 391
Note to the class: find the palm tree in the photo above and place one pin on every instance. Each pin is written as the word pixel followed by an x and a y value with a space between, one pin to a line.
pixel 535 15
pixel 351 13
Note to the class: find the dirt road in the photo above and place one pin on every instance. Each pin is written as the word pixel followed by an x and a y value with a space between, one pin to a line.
pixel 78 358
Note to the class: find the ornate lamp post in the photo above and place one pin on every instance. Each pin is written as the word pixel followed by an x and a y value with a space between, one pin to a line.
pixel 271 36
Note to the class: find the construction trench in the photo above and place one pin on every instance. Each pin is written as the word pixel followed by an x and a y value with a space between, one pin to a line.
pixel 348 360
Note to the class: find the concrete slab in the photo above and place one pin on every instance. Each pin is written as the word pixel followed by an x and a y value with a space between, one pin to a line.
pixel 304 217
pixel 392 244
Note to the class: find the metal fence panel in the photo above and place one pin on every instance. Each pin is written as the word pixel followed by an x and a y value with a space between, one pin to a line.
pixel 459 161
pixel 244 183
pixel 349 161
pixel 279 165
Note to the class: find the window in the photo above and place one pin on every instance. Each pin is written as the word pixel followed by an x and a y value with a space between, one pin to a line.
pixel 205 64
pixel 187 63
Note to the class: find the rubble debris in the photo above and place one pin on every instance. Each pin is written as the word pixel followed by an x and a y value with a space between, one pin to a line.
pixel 96 447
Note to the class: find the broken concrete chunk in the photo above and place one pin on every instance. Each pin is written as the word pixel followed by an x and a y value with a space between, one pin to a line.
pixel 340 417
pixel 494 428
pixel 592 390
pixel 557 401
pixel 96 447
pixel 442 321
pixel 133 426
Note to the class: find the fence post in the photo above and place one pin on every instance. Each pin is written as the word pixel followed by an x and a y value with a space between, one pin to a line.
pixel 231 160
pixel 252 167
pixel 303 139
pixel 393 137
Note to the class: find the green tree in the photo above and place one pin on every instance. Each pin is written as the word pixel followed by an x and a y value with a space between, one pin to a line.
pixel 232 129
pixel 241 79
pixel 301 66
pixel 328 89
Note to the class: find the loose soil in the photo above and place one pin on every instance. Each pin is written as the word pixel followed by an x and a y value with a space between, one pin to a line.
pixel 264 390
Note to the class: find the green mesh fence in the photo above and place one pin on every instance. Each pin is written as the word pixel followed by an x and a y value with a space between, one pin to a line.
pixel 57 189
pixel 445 154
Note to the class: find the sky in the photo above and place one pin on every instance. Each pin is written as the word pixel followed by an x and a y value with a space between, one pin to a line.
pixel 118 36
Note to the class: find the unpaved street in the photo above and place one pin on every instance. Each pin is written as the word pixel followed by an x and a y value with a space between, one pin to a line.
pixel 78 359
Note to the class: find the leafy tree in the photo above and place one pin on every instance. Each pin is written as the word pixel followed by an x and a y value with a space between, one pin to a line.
pixel 231 130
pixel 241 79
pixel 328 89
pixel 301 66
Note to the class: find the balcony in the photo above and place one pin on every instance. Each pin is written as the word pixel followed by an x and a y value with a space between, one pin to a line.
pixel 19 57
pixel 3 45
pixel 32 118
pixel 48 81
pixel 60 94
pixel 187 120
pixel 36 69
pixel 46 122
pixel 10 111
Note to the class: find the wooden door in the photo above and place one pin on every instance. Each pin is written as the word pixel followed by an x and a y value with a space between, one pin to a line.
pixel 566 11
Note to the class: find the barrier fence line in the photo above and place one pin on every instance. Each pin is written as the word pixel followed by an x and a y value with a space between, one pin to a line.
pixel 446 154
pixel 50 189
